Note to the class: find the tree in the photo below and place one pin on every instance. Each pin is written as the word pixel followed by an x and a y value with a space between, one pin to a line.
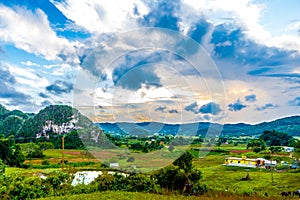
pixel 11 153
pixel 184 162
pixel 18 157
pixel 297 148
pixel 32 150
pixel 275 149
pixel 2 168
pixel 275 138
pixel 181 176
pixel 256 145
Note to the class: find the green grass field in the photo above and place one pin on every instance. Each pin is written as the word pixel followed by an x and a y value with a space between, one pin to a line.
pixel 146 196
pixel 222 182
pixel 222 178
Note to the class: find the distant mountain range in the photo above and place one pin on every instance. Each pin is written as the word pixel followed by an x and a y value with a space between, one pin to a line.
pixel 289 125
pixel 61 119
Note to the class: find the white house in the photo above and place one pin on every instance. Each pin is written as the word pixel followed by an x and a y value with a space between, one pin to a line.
pixel 288 149
pixel 114 165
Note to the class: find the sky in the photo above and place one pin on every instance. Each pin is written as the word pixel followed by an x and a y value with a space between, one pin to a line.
pixel 172 61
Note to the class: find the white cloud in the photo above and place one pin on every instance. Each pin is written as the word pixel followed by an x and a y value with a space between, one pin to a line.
pixel 28 77
pixel 29 63
pixel 30 31
pixel 287 42
pixel 295 26
pixel 246 14
pixel 103 16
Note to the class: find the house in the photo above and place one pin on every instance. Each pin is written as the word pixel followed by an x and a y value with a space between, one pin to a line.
pixel 288 149
pixel 114 165
pixel 240 162
pixel 248 162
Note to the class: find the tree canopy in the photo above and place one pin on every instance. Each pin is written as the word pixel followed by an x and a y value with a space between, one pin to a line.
pixel 275 138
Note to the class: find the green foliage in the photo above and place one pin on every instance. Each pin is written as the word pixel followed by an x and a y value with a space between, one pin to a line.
pixel 184 162
pixel 11 125
pixel 17 157
pixel 3 110
pixel 133 183
pixel 11 121
pixel 257 145
pixel 297 149
pixel 45 162
pixel 130 159
pixel 11 153
pixel 2 168
pixel 275 149
pixel 46 145
pixel 275 138
pixel 297 145
pixel 172 178
pixel 32 150
pixel 179 141
pixel 72 140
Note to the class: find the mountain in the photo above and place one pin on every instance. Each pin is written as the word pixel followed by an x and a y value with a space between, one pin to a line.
pixel 55 120
pixel 289 125
pixel 49 124
pixel 11 121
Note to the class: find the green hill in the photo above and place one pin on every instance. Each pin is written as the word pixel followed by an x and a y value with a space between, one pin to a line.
pixel 49 124
pixel 11 121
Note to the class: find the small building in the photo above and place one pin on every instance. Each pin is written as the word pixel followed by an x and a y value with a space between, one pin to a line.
pixel 288 149
pixel 114 165
pixel 248 162
pixel 240 162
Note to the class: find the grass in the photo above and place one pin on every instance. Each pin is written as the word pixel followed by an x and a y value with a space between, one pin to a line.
pixel 146 196
pixel 222 182
pixel 222 178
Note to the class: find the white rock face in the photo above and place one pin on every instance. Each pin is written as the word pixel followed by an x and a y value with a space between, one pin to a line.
pixel 58 129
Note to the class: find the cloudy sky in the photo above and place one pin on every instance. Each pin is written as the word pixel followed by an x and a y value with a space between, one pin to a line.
pixel 173 61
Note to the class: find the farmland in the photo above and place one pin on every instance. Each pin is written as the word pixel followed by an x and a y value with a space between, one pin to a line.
pixel 219 180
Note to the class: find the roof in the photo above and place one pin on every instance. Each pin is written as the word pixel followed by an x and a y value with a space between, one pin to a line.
pixel 236 158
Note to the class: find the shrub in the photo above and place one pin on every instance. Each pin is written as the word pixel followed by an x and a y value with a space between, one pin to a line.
pixel 45 162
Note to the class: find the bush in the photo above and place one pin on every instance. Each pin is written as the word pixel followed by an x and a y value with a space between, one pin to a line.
pixel 45 162
pixel 130 159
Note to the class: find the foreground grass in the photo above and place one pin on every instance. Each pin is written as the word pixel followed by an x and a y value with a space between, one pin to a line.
pixel 147 196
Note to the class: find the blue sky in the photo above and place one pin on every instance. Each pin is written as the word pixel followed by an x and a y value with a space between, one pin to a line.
pixel 69 52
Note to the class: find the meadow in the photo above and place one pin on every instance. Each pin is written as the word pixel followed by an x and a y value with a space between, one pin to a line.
pixel 222 181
